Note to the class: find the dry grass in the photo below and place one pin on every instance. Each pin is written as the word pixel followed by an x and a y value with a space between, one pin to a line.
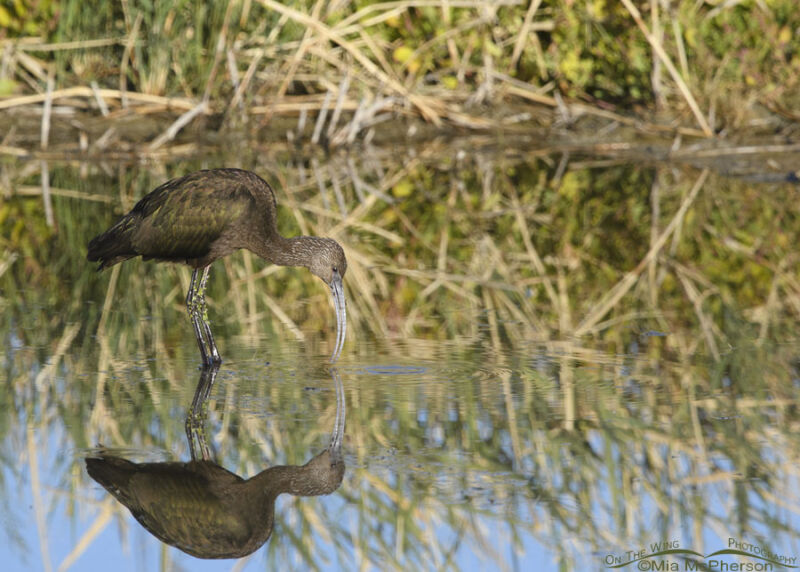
pixel 345 66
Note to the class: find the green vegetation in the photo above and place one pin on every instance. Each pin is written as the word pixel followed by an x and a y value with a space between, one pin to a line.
pixel 599 337
pixel 702 65
pixel 552 255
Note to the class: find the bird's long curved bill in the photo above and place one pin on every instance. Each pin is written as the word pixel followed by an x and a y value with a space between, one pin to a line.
pixel 337 289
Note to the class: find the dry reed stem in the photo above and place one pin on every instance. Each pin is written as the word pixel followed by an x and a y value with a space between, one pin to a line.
pixel 47 373
pixel 344 86
pixel 185 150
pixel 46 200
pixel 446 37
pixel 639 124
pixel 233 70
pixel 387 235
pixel 323 113
pixel 511 415
pixel 251 292
pixel 519 45
pixel 35 45
pixel 359 184
pixel 452 49
pixel 533 255
pixel 395 8
pixel 297 57
pixel 36 492
pixel 676 76
pixel 276 309
pixel 87 92
pixel 246 80
pixel 529 319
pixel 173 130
pixel 36 67
pixel 459 291
pixel 301 126
pixel 13 151
pixel 48 109
pixel 450 278
pixel 247 277
pixel 366 302
pixel 100 144
pixel 567 381
pixel 530 93
pixel 613 296
pixel 510 275
pixel 564 313
pixel 101 103
pixel 331 35
pixel 321 187
pixel 694 152
pixel 656 70
pixel 770 305
pixel 377 52
pixel 219 51
pixel 112 285
pixel 8 258
pixel 655 216
pixel 355 215
pixel 677 34
pixel 697 300
pixel 337 193
pixel 99 524
pixel 126 56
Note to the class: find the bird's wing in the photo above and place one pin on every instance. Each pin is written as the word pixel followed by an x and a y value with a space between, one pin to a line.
pixel 181 219
pixel 185 507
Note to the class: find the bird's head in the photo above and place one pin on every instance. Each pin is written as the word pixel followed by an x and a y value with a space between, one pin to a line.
pixel 328 261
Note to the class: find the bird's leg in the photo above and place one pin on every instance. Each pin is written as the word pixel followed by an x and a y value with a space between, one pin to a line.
pixel 215 358
pixel 194 313
pixel 195 420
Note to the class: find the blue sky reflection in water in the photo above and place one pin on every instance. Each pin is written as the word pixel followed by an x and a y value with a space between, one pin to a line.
pixel 479 434
pixel 504 512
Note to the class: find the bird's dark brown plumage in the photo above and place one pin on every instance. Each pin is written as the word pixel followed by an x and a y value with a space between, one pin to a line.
pixel 207 215
pixel 201 507
pixel 206 510
pixel 194 219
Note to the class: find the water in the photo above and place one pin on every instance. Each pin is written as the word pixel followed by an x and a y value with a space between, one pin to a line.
pixel 515 399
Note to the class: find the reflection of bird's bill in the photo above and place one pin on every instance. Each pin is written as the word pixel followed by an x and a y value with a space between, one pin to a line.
pixel 337 434
pixel 337 289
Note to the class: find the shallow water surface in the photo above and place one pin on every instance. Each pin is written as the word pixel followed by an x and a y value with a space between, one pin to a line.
pixel 543 370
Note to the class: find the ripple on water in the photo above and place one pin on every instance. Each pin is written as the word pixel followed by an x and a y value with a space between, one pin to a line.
pixel 391 370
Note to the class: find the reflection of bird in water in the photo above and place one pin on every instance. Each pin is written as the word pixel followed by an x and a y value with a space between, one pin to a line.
pixel 207 215
pixel 208 511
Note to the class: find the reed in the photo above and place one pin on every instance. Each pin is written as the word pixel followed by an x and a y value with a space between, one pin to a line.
pixel 456 64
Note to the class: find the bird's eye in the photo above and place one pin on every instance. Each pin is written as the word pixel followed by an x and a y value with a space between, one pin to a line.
pixel 335 269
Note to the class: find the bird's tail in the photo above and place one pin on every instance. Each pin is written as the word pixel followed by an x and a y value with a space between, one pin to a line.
pixel 114 245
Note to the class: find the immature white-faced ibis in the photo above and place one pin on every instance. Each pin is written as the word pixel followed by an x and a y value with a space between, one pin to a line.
pixel 206 215
pixel 208 511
